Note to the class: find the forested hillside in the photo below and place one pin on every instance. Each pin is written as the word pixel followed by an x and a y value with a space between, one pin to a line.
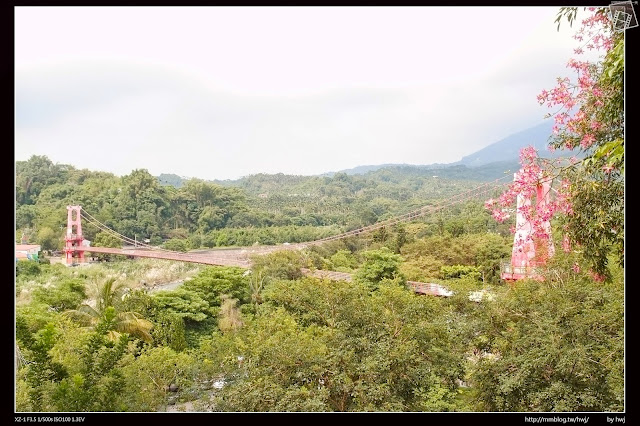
pixel 266 209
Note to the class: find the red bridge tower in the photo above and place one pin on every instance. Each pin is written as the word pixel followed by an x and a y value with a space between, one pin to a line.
pixel 73 239
pixel 529 252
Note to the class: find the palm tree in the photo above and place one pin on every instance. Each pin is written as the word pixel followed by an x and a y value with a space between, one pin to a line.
pixel 107 295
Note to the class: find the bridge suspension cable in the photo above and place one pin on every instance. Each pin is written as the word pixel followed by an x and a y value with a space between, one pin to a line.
pixel 458 198
pixel 95 222
pixel 453 200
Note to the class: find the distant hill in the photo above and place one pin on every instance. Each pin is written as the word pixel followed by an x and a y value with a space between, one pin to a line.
pixel 485 172
pixel 505 150
pixel 489 162
pixel 361 170
pixel 508 149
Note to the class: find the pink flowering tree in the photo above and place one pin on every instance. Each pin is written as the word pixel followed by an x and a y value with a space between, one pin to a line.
pixel 587 194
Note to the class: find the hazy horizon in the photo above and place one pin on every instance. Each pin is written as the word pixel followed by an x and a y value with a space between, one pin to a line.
pixel 219 93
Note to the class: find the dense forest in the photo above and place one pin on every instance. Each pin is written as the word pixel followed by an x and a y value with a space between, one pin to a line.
pixel 108 336
pixel 263 209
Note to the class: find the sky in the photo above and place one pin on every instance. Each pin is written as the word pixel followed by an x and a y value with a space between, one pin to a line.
pixel 225 92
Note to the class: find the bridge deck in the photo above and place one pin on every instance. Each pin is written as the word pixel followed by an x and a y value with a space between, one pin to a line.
pixel 224 258
pixel 240 258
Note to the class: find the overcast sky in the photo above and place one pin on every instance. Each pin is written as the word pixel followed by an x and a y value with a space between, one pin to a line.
pixel 225 92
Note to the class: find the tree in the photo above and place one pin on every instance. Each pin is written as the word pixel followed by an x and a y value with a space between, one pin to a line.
pixel 186 304
pixel 70 369
pixel 41 369
pixel 176 244
pixel 553 346
pixel 489 254
pixel 380 265
pixel 401 237
pixel 97 384
pixel 205 206
pixel 169 327
pixel 107 295
pixel 281 365
pixel 49 239
pixel 455 227
pixel 320 345
pixel 35 174
pixel 343 260
pixel 106 239
pixel 27 268
pixel 141 205
pixel 169 331
pixel 589 118
pixel 152 375
pixel 459 271
pixel 211 217
pixel 64 295
pixel 212 282
pixel 25 216
pixel 282 264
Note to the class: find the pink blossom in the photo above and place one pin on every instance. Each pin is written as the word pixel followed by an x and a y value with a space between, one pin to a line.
pixel 574 125
pixel 561 118
pixel 587 140
pixel 490 203
pixel 528 154
pixel 500 215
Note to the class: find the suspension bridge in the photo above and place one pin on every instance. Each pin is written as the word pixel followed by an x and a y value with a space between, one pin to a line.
pixel 76 246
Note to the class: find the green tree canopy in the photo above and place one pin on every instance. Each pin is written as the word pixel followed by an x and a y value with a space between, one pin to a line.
pixel 320 345
pixel 379 265
pixel 553 347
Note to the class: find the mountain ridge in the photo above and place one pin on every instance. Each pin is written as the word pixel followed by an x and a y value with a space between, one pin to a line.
pixel 484 163
pixel 503 150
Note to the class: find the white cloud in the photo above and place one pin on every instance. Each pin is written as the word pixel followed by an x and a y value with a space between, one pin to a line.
pixel 224 92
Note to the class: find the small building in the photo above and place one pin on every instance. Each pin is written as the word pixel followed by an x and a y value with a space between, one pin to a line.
pixel 27 251
pixel 430 289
